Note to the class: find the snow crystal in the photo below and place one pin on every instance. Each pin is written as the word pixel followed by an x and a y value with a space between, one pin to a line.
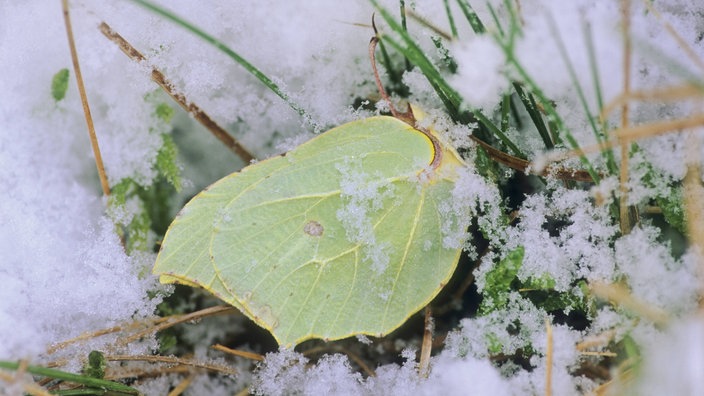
pixel 577 250
pixel 480 76
pixel 394 379
pixel 471 196
pixel 333 375
pixel 640 250
pixel 495 331
pixel 281 373
pixel 362 194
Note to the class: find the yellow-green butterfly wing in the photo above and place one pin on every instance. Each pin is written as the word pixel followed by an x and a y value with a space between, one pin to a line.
pixel 340 236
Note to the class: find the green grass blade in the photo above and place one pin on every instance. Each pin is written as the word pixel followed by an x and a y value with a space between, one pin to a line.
pixel 516 114
pixel 227 50
pixel 534 113
pixel 450 19
pixel 552 113
pixel 404 25
pixel 472 17
pixel 498 133
pixel 449 96
pixel 497 22
pixel 587 32
pixel 507 47
pixel 70 377
pixel 505 111
pixel 611 165
pixel 415 54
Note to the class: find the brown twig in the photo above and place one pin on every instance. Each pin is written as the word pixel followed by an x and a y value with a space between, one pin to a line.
pixel 176 319
pixel 632 133
pixel 671 30
pixel 666 94
pixel 618 294
pixel 153 326
pixel 172 360
pixel 240 353
pixel 427 345
pixel 694 205
pixel 527 167
pixel 182 386
pixel 84 101
pixel 193 109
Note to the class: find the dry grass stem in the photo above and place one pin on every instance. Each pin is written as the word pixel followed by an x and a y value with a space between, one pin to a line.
pixel 694 205
pixel 182 386
pixel 177 319
pixel 592 353
pixel 190 107
pixel 618 294
pixel 667 94
pixel 632 133
pixel 240 353
pixel 596 341
pixel 173 360
pixel 94 334
pixel 84 101
pixel 681 43
pixel 427 344
pixel 418 18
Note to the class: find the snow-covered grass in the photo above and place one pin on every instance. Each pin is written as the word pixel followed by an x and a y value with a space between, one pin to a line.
pixel 566 289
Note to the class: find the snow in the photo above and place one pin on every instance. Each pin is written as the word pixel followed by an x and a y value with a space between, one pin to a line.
pixel 482 80
pixel 64 271
pixel 363 194
pixel 641 249
pixel 682 347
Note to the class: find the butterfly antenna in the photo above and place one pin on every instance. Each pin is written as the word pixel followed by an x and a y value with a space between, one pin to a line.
pixel 407 116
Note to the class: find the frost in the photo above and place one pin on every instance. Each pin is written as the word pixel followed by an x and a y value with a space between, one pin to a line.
pixel 281 373
pixel 640 249
pixel 333 376
pixel 362 194
pixel 477 337
pixel 471 195
pixel 575 250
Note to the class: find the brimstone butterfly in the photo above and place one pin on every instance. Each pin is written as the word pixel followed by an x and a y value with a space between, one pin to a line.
pixel 340 236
